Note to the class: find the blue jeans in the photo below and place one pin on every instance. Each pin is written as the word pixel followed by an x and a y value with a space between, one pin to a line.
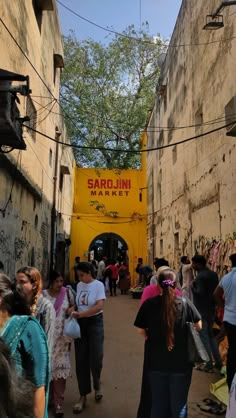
pixel 169 394
pixel 209 342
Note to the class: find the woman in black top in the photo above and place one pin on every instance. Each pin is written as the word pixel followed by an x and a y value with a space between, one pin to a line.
pixel 160 319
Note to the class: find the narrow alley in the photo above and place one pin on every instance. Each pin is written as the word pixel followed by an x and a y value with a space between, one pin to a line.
pixel 117 173
pixel 121 378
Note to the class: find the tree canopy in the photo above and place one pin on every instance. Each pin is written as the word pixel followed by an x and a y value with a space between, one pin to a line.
pixel 107 93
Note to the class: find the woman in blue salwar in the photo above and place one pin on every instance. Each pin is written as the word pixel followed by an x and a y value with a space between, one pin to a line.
pixel 27 343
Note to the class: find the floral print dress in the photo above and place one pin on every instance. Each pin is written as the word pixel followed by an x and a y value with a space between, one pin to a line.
pixel 60 356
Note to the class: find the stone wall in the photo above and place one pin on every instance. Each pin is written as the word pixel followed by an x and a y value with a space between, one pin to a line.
pixel 27 177
pixel 191 185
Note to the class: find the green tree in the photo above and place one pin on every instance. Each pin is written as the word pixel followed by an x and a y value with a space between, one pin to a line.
pixel 107 92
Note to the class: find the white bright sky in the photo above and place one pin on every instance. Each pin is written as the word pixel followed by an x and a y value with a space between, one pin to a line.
pixel 118 14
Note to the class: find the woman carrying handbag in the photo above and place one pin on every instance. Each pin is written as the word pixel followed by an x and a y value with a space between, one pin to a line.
pixel 89 348
pixel 160 319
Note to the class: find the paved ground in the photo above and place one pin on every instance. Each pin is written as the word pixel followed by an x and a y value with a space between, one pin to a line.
pixel 121 376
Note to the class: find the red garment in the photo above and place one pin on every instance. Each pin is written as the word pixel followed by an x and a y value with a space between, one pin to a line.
pixel 114 271
pixel 153 290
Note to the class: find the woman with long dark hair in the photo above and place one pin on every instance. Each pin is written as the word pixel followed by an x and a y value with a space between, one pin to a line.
pixel 160 319
pixel 150 291
pixel 17 393
pixel 27 343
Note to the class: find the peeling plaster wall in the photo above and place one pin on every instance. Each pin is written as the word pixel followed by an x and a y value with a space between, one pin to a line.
pixel 25 230
pixel 191 186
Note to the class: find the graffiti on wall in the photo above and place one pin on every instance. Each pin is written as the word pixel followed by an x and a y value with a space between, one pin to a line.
pixel 217 252
pixel 5 251
pixel 16 252
pixel 5 244
pixel 20 246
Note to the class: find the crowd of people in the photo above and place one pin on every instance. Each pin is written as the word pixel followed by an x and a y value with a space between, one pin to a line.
pixel 167 368
pixel 114 274
pixel 35 351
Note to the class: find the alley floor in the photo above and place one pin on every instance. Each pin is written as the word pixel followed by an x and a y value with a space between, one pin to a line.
pixel 121 377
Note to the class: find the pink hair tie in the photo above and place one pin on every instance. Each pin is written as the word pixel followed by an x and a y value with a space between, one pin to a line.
pixel 168 283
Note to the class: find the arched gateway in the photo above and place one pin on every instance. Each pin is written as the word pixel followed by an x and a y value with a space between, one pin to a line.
pixel 110 214
pixel 110 245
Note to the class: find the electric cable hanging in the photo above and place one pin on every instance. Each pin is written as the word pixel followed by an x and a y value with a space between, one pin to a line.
pixel 38 74
pixel 139 39
pixel 32 65
pixel 157 128
pixel 3 210
pixel 133 151
pixel 82 135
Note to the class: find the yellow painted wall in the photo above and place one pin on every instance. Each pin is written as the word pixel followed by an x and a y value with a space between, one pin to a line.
pixel 114 191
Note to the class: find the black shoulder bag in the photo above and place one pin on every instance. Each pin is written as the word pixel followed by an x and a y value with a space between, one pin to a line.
pixel 196 350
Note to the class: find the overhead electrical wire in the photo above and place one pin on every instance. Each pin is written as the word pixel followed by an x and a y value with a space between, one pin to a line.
pixel 3 210
pixel 139 39
pixel 45 171
pixel 98 148
pixel 38 74
pixel 170 128
pixel 25 55
pixel 49 112
pixel 154 128
pixel 32 65
pixel 39 112
pixel 129 150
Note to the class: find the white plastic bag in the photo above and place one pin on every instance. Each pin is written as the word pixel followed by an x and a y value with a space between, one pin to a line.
pixel 71 328
pixel 107 285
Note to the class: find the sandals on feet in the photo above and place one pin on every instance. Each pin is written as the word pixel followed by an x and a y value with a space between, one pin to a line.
pixel 59 412
pixel 79 406
pixel 98 395
pixel 204 368
pixel 212 407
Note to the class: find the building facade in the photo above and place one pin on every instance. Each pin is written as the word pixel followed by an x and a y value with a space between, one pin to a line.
pixel 191 199
pixel 36 183
pixel 109 215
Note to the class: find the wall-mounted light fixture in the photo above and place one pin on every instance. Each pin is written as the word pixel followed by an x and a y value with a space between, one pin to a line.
pixel 141 193
pixel 215 20
pixel 214 23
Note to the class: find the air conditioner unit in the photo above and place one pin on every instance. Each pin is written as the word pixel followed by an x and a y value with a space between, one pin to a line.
pixel 230 116
pixel 10 125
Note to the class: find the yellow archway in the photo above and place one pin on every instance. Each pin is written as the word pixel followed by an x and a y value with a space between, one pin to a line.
pixel 112 202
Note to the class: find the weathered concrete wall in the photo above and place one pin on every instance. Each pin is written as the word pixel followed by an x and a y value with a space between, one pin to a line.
pixel 25 225
pixel 191 186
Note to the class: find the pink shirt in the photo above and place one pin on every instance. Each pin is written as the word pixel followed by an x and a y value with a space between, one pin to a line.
pixel 153 290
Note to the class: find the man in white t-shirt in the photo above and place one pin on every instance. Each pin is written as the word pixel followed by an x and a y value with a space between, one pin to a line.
pixel 227 288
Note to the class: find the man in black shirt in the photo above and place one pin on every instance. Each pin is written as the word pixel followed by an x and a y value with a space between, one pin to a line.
pixel 203 288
